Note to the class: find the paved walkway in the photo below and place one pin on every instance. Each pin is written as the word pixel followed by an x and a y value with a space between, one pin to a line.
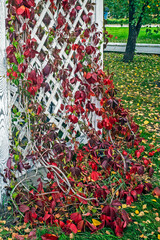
pixel 126 25
pixel 140 48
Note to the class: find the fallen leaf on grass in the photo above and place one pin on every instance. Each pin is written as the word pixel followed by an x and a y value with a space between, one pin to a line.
pixel 142 236
pixel 124 205
pixel 157 219
pixel 156 191
pixel 107 232
pixel 95 222
pixel 141 214
pixel 144 206
pixel 27 230
pixel 2 222
pixel 71 236
pixel 146 122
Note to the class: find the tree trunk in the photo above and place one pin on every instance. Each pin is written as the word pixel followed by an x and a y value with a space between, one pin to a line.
pixel 131 44
pixel 134 30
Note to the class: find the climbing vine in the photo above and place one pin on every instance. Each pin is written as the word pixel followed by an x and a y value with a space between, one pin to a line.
pixel 76 181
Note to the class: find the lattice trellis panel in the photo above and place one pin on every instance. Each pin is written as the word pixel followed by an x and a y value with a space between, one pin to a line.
pixel 52 99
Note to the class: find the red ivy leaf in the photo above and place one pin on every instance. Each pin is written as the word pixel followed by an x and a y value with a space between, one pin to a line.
pixel 9 161
pixel 21 10
pixel 76 217
pixel 48 236
pixel 18 1
pixel 23 208
pixel 78 8
pixel 39 110
pixel 156 191
pixel 94 175
pixel 91 226
pixel 129 200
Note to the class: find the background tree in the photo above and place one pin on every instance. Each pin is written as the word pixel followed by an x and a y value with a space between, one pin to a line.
pixel 140 12
pixel 117 9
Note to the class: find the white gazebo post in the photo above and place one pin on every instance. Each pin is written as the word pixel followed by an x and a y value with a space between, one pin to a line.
pixel 99 17
pixel 4 142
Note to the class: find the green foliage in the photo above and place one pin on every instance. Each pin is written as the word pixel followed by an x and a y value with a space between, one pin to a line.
pixel 120 9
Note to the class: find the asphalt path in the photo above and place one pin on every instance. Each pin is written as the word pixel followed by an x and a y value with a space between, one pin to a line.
pixel 140 48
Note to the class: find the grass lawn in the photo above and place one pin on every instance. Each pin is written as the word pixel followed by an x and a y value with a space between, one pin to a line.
pixel 120 34
pixel 139 87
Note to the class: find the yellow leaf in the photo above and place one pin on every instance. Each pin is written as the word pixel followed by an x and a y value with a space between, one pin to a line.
pixel 154 200
pixel 50 198
pixel 9 208
pixel 96 222
pixel 107 232
pixel 159 236
pixel 146 122
pixel 136 223
pixel 124 205
pixel 136 212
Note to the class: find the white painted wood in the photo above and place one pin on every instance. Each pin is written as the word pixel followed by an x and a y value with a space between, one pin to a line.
pixel 4 143
pixel 99 18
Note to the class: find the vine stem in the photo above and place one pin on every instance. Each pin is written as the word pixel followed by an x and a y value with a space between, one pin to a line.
pixel 123 159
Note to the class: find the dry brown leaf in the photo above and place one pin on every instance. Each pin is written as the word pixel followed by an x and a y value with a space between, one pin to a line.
pixel 2 222
pixel 144 206
pixel 141 214
pixel 157 219
pixel 27 230
pixel 71 236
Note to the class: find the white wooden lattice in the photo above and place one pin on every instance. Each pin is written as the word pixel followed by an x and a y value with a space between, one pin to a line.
pixel 52 99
